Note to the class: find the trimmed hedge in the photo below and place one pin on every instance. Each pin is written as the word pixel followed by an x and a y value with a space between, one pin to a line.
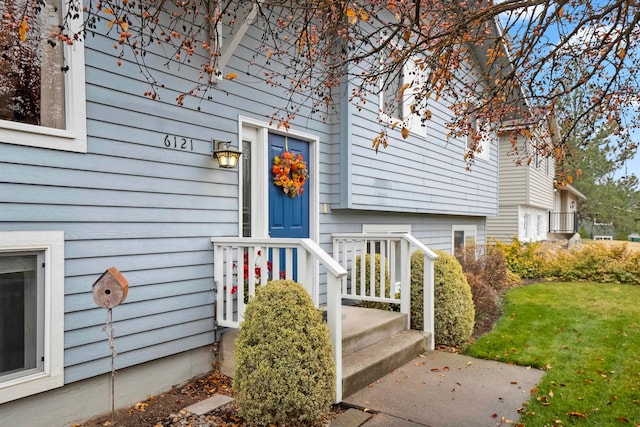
pixel 454 312
pixel 285 372
pixel 367 272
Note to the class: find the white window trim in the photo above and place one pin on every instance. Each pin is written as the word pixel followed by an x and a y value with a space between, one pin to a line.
pixel 467 229
pixel 74 136
pixel 387 228
pixel 52 376
pixel 411 121
pixel 487 139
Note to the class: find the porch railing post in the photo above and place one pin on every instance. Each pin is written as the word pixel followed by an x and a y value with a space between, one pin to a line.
pixel 334 322
pixel 429 300
pixel 405 279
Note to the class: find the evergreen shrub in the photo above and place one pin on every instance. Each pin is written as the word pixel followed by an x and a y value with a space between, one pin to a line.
pixel 285 373
pixel 596 263
pixel 367 272
pixel 523 259
pixel 453 304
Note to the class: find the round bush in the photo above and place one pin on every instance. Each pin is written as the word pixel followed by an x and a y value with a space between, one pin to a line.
pixel 285 372
pixel 367 283
pixel 453 303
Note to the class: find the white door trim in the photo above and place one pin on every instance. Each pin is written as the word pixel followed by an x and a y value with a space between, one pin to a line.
pixel 257 133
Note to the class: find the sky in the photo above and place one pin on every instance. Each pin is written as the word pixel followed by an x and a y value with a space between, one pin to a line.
pixel 632 166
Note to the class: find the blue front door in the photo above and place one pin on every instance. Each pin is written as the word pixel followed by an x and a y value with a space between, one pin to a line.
pixel 288 217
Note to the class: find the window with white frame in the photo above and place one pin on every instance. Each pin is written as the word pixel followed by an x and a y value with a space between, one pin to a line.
pixel 463 236
pixel 42 95
pixel 399 87
pixel 31 313
pixel 483 137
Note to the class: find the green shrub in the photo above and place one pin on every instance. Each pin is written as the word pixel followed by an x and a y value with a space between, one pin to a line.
pixel 597 263
pixel 523 259
pixel 367 273
pixel 453 304
pixel 584 233
pixel 285 373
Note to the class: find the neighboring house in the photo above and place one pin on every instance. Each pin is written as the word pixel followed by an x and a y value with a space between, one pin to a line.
pixel 563 220
pixel 526 191
pixel 103 176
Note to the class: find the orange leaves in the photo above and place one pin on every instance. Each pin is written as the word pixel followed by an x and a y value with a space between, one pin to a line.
pixel 403 88
pixel 22 29
pixel 141 406
pixel 381 139
pixel 231 76
pixel 576 414
pixel 404 132
pixel 352 15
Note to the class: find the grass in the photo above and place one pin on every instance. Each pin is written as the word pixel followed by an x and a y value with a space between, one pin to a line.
pixel 587 337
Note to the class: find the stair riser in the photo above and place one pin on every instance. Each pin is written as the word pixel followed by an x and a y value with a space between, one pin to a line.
pixel 366 338
pixel 354 381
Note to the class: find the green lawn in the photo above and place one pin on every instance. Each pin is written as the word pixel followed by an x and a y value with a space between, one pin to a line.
pixel 587 337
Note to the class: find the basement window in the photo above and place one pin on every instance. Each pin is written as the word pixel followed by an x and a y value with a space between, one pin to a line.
pixel 31 313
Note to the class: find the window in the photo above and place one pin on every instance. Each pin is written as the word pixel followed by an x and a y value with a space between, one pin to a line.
pixel 246 188
pixel 527 227
pixel 463 236
pixel 399 89
pixel 31 313
pixel 541 226
pixel 485 137
pixel 40 104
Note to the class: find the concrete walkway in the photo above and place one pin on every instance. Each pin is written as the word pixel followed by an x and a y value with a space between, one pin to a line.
pixel 443 389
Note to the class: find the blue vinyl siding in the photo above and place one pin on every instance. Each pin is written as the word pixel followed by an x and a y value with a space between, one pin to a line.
pixel 425 173
pixel 150 211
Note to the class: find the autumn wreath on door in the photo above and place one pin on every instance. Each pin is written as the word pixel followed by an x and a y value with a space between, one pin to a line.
pixel 290 172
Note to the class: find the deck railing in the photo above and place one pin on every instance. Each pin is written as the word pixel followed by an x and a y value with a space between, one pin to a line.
pixel 241 264
pixel 394 254
pixel 563 222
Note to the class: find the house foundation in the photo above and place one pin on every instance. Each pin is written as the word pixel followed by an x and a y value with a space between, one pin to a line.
pixel 83 400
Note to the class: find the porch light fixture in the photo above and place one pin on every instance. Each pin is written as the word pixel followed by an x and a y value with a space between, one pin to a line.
pixel 226 156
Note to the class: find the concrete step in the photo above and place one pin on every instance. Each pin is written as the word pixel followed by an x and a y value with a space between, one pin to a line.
pixel 368 364
pixel 374 343
pixel 362 327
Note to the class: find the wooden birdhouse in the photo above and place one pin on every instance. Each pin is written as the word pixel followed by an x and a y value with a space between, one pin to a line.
pixel 110 289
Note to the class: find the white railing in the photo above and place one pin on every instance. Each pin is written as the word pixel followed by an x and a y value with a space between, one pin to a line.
pixel 241 264
pixel 372 258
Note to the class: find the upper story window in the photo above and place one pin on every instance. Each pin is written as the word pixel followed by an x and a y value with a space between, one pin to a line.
pixel 41 83
pixel 400 88
pixel 484 136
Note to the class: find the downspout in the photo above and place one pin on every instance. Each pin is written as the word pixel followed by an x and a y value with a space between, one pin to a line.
pixel 345 145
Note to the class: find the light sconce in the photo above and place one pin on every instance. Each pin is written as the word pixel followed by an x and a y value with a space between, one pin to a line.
pixel 226 156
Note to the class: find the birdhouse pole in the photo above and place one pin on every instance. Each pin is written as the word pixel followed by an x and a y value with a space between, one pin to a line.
pixel 109 291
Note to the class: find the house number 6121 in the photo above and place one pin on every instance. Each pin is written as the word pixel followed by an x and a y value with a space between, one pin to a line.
pixel 178 142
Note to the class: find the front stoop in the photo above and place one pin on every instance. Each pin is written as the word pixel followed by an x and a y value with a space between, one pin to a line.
pixel 374 343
